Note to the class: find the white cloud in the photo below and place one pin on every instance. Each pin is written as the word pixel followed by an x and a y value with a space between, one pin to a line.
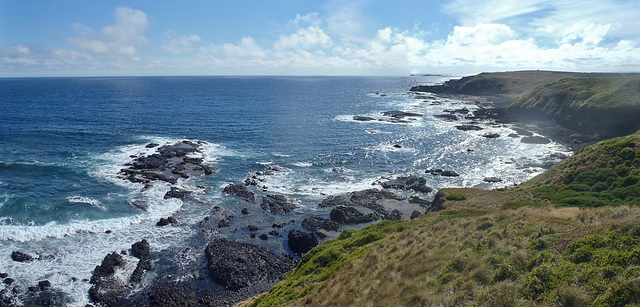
pixel 179 44
pixel 124 37
pixel 305 38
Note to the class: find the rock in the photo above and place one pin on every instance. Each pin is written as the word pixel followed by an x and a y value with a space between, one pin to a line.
pixel 338 169
pixel 363 118
pixel 314 223
pixel 263 236
pixel 365 198
pixel 418 201
pixel 350 215
pixel 400 114
pixel 534 140
pixel 449 174
pixel 3 275
pixel 152 145
pixel 277 204
pixel 468 127
pixel 141 249
pixel 397 146
pixel 240 191
pixel 224 223
pixel 176 193
pixel 415 214
pixel 44 284
pixel 109 265
pixel 8 281
pixel 394 215
pixel 411 182
pixel 166 221
pixel 142 266
pixel 154 161
pixel 245 211
pixel 492 179
pixel 274 233
pixel 238 265
pixel 21 257
pixel 491 135
pixel 301 242
pixel 253 228
pixel 446 117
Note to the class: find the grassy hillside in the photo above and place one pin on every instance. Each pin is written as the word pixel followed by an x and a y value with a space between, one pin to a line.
pixel 607 105
pixel 525 246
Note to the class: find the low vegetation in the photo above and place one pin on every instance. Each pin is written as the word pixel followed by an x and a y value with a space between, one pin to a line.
pixel 569 237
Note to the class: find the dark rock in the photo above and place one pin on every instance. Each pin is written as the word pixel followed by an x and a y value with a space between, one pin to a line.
pixel 276 225
pixel 44 284
pixel 21 257
pixel 337 169
pixel 418 201
pixel 240 191
pixel 142 266
pixel 8 281
pixel 415 214
pixel 400 114
pixel 252 235
pixel 166 221
pixel 245 211
pixel 320 234
pixel 176 193
pixel 411 182
pixel 394 215
pixel 350 215
pixel 277 204
pixel 491 135
pixel 534 140
pixel 141 249
pixel 263 236
pixel 224 223
pixel 274 233
pixel 365 198
pixel 513 135
pixel 492 179
pixel 238 265
pixel 154 161
pixel 446 117
pixel 3 275
pixel 301 242
pixel 397 146
pixel 152 145
pixel 449 174
pixel 253 228
pixel 468 127
pixel 109 265
pixel 314 223
pixel 363 118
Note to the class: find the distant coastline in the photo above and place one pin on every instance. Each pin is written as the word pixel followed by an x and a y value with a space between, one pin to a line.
pixel 595 105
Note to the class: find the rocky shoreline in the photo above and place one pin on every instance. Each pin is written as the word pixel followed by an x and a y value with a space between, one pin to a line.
pixel 221 272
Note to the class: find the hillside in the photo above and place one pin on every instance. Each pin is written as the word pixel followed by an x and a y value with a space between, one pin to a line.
pixel 600 105
pixel 527 246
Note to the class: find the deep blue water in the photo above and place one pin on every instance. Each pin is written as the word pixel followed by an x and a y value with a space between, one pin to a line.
pixel 63 140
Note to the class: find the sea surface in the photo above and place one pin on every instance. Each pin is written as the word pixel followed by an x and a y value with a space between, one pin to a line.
pixel 64 140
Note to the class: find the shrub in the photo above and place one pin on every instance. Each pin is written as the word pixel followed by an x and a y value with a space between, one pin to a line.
pixel 627 154
pixel 592 177
pixel 456 196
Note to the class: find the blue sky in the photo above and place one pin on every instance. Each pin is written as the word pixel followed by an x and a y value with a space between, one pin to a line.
pixel 366 37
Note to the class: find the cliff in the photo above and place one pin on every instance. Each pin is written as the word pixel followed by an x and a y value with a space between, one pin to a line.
pixel 601 105
pixel 524 246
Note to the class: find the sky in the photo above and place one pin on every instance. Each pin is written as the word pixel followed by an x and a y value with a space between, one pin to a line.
pixel 331 37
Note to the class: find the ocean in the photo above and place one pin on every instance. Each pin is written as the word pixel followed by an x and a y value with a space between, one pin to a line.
pixel 63 142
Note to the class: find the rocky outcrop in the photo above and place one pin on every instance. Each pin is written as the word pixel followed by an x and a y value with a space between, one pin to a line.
pixel 301 242
pixel 277 204
pixel 169 163
pixel 351 215
pixel 240 191
pixel 176 193
pixel 21 257
pixel 315 223
pixel 238 265
pixel 441 172
pixel 411 182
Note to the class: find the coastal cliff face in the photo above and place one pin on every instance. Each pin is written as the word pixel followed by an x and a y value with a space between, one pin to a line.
pixel 600 105
pixel 525 246
pixel 608 105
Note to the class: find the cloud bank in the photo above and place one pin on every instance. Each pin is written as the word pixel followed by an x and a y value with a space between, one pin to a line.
pixel 491 35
